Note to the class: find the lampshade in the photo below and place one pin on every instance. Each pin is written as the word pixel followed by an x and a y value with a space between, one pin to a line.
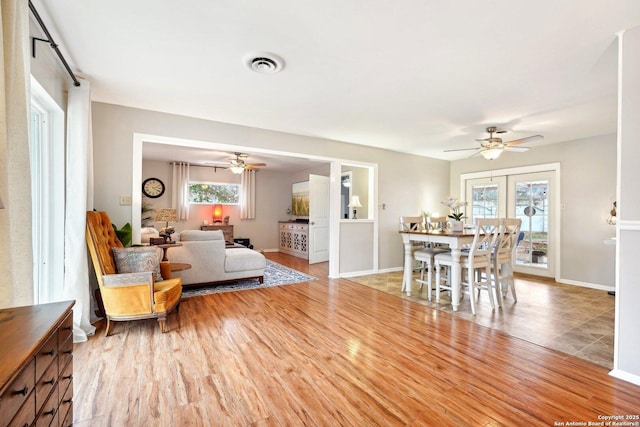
pixel 167 215
pixel 491 153
pixel 355 202
pixel 236 169
pixel 217 213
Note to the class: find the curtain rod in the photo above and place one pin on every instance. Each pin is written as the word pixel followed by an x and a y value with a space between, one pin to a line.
pixel 53 44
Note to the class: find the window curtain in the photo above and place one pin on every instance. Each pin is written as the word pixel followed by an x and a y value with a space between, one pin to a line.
pixel 79 199
pixel 248 194
pixel 16 253
pixel 180 193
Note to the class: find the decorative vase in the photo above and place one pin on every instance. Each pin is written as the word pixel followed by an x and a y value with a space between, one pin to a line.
pixel 457 225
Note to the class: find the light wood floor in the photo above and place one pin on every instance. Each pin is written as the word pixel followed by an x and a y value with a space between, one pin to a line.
pixel 326 353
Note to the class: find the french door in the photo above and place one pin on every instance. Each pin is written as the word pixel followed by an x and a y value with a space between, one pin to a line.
pixel 530 197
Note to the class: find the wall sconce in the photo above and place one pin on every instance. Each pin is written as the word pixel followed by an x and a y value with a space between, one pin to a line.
pixel 355 203
pixel 612 215
pixel 217 214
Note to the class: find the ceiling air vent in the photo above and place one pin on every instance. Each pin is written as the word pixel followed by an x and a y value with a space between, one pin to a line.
pixel 263 62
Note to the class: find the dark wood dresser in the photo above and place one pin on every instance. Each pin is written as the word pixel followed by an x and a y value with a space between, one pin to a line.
pixel 36 365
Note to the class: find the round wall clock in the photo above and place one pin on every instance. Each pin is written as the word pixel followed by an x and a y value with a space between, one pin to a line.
pixel 153 187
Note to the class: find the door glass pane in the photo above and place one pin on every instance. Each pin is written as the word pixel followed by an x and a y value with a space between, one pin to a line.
pixel 532 207
pixel 484 201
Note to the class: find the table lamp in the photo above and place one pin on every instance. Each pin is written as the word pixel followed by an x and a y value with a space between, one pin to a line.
pixel 167 215
pixel 355 203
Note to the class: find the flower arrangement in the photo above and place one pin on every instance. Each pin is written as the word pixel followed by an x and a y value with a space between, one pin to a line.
pixel 455 205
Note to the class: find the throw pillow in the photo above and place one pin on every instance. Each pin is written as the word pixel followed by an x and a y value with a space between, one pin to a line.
pixel 137 259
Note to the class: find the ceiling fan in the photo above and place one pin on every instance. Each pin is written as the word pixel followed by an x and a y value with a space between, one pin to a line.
pixel 238 165
pixel 492 147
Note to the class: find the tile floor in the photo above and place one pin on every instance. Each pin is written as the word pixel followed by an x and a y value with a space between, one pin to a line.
pixel 571 319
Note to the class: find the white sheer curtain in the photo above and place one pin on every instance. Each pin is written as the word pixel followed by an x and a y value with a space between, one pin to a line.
pixel 16 253
pixel 180 193
pixel 79 199
pixel 248 195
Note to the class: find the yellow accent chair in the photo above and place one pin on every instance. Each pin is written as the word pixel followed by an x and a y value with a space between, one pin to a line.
pixel 132 295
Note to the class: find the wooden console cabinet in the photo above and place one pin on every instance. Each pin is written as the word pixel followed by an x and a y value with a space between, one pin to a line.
pixel 294 239
pixel 36 365
pixel 227 230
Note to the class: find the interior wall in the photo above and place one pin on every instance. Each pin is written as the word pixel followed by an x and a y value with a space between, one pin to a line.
pixel 587 191
pixel 407 184
pixel 273 193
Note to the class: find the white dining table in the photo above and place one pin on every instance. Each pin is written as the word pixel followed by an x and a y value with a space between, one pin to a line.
pixel 456 241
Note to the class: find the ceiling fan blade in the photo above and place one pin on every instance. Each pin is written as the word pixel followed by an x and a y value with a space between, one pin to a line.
pixel 523 140
pixel 516 149
pixel 257 165
pixel 461 149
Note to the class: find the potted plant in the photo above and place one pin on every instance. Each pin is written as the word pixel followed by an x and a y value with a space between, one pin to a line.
pixel 456 212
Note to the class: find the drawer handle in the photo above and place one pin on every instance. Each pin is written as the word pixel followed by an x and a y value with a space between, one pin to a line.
pixel 67 328
pixel 68 351
pixel 51 412
pixel 68 377
pixel 48 353
pixel 68 400
pixel 51 381
pixel 23 392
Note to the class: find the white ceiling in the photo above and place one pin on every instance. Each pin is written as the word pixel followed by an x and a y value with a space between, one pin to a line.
pixel 417 76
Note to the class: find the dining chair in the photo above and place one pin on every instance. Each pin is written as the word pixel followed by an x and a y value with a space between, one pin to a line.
pixel 426 255
pixel 477 257
pixel 413 223
pixel 503 257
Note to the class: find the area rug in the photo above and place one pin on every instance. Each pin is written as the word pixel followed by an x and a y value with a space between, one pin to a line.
pixel 274 275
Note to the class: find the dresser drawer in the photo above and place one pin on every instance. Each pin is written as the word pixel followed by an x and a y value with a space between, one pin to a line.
pixel 65 352
pixel 66 402
pixel 18 392
pixel 65 382
pixel 66 330
pixel 49 410
pixel 46 383
pixel 47 353
pixel 68 418
pixel 26 414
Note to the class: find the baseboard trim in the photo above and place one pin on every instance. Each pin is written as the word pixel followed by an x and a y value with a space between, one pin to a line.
pixel 357 273
pixel 625 376
pixel 586 285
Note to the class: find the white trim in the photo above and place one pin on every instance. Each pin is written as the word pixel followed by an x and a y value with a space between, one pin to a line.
pixel 390 270
pixel 628 225
pixel 48 254
pixel 626 376
pixel 585 284
pixel 357 273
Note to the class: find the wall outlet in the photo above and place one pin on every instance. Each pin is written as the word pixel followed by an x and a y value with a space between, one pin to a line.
pixel 125 200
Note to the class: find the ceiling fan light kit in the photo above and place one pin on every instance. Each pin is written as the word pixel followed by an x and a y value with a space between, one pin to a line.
pixel 492 147
pixel 491 153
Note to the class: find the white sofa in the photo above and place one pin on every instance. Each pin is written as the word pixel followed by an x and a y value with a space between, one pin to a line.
pixel 211 261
